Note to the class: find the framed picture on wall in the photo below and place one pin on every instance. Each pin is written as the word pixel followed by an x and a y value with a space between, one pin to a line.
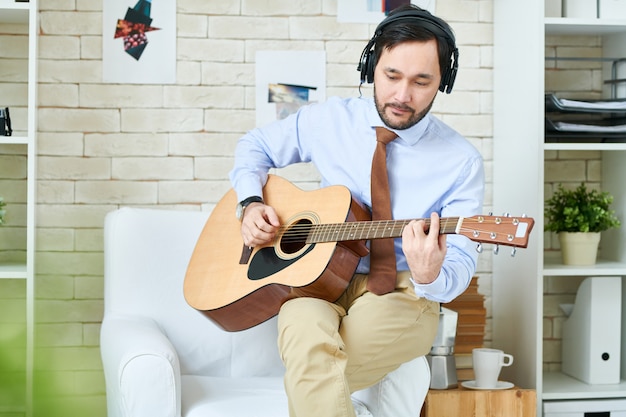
pixel 373 11
pixel 287 80
pixel 139 41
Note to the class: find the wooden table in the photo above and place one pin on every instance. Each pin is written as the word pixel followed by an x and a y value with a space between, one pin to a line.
pixel 461 402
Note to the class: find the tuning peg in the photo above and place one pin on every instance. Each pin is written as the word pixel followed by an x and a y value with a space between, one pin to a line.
pixel 524 215
pixel 507 214
pixel 490 213
pixel 479 248
pixel 496 249
pixel 513 252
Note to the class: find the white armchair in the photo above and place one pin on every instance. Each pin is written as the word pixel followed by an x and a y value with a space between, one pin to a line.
pixel 162 358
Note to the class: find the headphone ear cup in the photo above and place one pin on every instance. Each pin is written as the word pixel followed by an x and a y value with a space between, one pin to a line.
pixel 369 66
pixel 445 80
pixel 453 72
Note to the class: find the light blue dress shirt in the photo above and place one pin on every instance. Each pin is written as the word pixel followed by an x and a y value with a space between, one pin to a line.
pixel 432 168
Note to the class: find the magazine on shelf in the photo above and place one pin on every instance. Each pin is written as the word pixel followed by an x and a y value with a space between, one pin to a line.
pixel 554 103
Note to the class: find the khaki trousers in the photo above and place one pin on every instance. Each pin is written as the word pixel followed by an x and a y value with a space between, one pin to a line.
pixel 333 349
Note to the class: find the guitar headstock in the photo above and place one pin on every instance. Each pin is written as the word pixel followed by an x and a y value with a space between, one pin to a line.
pixel 499 230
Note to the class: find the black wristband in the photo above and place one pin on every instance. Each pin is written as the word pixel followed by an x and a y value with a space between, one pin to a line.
pixel 250 200
pixel 241 207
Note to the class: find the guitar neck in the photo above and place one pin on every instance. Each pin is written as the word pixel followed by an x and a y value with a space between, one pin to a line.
pixel 500 230
pixel 378 229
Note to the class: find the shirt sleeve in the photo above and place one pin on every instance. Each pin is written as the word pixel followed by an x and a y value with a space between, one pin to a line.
pixel 461 256
pixel 273 146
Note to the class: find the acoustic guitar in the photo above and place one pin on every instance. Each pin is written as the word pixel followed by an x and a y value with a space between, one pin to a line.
pixel 315 253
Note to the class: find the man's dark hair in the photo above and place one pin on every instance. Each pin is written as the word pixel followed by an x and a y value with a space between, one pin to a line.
pixel 415 29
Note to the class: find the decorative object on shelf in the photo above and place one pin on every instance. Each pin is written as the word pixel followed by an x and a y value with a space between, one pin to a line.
pixel 581 9
pixel 612 9
pixel 591 341
pixel 594 121
pixel 2 211
pixel 578 216
pixel 5 122
pixel 553 8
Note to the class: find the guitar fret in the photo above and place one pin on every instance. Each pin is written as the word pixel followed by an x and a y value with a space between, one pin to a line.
pixel 322 231
pixel 329 230
pixel 386 229
pixel 362 229
pixel 444 226
pixel 340 231
pixel 351 229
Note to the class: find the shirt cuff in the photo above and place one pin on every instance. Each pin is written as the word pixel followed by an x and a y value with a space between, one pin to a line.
pixel 248 186
pixel 432 289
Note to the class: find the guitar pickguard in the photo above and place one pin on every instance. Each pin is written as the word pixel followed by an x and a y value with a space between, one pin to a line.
pixel 266 263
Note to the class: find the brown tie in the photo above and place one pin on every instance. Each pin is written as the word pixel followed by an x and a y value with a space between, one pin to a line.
pixel 382 276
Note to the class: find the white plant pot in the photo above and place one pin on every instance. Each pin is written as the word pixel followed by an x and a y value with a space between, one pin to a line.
pixel 579 248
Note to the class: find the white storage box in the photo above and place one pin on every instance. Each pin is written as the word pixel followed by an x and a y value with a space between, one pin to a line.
pixel 581 9
pixel 553 8
pixel 612 9
pixel 583 408
pixel 591 345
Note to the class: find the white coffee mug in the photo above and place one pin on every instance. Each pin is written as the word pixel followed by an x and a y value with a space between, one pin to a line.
pixel 487 364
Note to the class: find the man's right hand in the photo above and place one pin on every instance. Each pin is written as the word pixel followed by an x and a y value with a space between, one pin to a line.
pixel 259 224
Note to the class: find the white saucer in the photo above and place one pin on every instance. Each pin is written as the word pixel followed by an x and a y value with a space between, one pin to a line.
pixel 499 385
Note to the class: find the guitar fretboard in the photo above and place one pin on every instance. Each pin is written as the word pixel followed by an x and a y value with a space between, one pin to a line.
pixel 379 229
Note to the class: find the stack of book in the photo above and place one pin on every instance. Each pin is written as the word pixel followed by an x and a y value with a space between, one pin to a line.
pixel 470 332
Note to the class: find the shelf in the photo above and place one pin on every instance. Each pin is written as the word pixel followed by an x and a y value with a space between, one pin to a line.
pixel 19 19
pixel 520 310
pixel 571 26
pixel 14 140
pixel 558 386
pixel 554 268
pixel 13 271
pixel 585 146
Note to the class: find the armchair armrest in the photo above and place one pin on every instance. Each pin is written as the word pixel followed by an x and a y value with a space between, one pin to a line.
pixel 141 369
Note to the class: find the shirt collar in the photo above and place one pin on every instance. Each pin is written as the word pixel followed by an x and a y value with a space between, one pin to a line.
pixel 411 135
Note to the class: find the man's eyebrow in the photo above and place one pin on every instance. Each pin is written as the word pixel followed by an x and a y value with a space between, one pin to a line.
pixel 418 75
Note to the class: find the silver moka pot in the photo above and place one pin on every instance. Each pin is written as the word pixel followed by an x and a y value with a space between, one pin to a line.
pixel 441 356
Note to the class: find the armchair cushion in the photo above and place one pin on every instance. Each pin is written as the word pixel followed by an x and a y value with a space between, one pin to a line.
pixel 162 358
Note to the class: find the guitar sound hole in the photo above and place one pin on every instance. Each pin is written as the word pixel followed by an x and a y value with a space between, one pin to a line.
pixel 295 238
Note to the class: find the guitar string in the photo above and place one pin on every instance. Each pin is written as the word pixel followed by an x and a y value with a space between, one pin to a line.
pixel 301 231
pixel 376 224
pixel 348 226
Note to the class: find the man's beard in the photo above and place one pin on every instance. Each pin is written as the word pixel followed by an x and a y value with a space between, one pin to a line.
pixel 411 121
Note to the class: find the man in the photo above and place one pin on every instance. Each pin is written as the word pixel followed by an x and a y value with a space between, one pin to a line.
pixel 331 349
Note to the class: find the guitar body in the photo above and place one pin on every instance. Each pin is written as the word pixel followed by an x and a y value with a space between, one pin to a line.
pixel 238 288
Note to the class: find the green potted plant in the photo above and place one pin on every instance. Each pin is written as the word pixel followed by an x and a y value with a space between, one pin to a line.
pixel 2 211
pixel 578 216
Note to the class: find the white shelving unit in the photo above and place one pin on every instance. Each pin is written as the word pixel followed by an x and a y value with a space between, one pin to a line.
pixel 519 146
pixel 20 20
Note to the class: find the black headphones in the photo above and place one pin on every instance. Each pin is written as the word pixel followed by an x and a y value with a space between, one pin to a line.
pixel 427 21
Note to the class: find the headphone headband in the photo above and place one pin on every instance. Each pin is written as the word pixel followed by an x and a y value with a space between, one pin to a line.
pixel 429 22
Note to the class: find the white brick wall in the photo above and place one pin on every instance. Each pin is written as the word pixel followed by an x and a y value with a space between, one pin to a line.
pixel 102 146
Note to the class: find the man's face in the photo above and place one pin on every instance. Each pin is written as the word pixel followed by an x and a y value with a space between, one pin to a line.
pixel 406 81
